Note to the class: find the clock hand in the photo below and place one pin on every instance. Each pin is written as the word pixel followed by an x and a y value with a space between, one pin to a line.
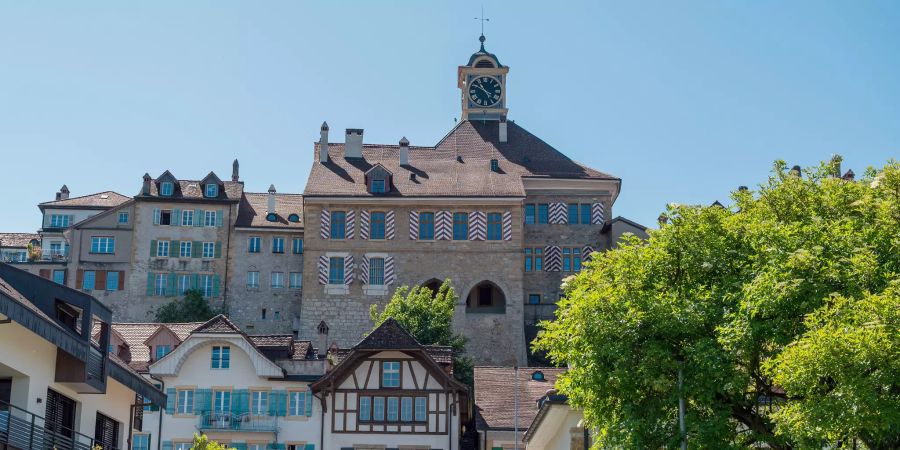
pixel 483 89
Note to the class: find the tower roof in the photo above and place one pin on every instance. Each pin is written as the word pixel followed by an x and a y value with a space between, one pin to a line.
pixel 482 52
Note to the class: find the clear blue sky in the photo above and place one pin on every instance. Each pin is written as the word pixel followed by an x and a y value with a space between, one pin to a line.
pixel 682 100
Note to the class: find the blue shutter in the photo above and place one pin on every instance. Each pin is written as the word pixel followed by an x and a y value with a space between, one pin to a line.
pixel 240 401
pixel 198 217
pixel 156 214
pixel 309 398
pixel 310 447
pixel 150 284
pixel 167 445
pixel 202 401
pixel 170 289
pixel 170 401
pixel 153 248
pixel 176 218
pixel 218 250
pixel 219 215
pixel 215 289
pixel 237 446
pixel 195 281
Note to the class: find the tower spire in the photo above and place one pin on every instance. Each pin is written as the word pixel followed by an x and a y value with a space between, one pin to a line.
pixel 482 19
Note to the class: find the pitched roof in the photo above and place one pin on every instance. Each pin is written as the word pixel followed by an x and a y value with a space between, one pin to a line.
pixel 136 334
pixel 495 391
pixel 388 336
pixel 105 199
pixel 459 165
pixel 254 206
pixel 191 190
pixel 17 239
pixel 218 324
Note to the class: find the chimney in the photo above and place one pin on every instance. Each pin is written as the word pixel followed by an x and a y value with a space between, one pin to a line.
pixel 63 193
pixel 235 168
pixel 662 219
pixel 404 151
pixel 323 338
pixel 849 175
pixel 742 188
pixel 502 134
pixel 795 171
pixel 353 143
pixel 145 190
pixel 323 143
pixel 270 209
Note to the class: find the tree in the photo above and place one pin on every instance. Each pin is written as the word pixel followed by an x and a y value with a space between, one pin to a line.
pixel 202 442
pixel 750 303
pixel 193 308
pixel 428 316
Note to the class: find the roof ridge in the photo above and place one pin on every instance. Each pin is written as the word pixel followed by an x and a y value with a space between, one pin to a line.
pixel 84 196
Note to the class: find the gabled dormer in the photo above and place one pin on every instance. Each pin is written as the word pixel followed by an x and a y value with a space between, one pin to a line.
pixel 167 184
pixel 161 342
pixel 378 179
pixel 212 186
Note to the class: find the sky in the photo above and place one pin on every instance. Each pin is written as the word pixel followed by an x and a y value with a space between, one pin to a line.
pixel 684 101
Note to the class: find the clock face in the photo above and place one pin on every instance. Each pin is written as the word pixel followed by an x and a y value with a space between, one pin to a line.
pixel 485 91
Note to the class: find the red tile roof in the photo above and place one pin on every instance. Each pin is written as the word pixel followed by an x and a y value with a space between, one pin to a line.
pixel 106 199
pixel 495 395
pixel 20 240
pixel 254 207
pixel 135 334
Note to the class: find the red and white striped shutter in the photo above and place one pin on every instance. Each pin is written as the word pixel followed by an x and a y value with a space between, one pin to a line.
pixel 364 224
pixel 413 225
pixel 586 253
pixel 507 226
pixel 324 223
pixel 348 270
pixel 559 213
pixel 477 226
pixel 389 225
pixel 323 269
pixel 444 222
pixel 598 214
pixel 364 270
pixel 552 258
pixel 350 224
pixel 390 275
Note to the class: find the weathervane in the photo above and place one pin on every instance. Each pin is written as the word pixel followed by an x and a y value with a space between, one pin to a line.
pixel 482 19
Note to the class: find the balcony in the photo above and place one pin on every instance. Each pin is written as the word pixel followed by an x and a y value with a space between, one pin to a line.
pixel 227 421
pixel 24 430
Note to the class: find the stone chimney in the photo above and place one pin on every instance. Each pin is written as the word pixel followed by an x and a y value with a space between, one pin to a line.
pixel 404 151
pixel 849 175
pixel 323 143
pixel 270 208
pixel 145 190
pixel 353 143
pixel 235 169
pixel 502 133
pixel 63 193
pixel 322 330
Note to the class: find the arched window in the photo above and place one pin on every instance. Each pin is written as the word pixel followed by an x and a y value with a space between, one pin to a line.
pixel 486 297
pixel 433 284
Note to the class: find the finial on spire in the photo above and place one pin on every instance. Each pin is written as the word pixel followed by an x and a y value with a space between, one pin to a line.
pixel 483 20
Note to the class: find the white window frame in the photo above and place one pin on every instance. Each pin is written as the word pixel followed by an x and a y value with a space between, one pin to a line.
pixel 295 276
pixel 297 403
pixel 252 279
pixel 160 285
pixel 385 370
pixel 259 402
pixel 206 285
pixel 163 191
pixel 184 405
pixel 123 214
pixel 185 247
pixel 278 244
pixel 159 249
pixel 182 283
pixel 215 190
pixel 254 244
pixel 212 250
pixel 276 280
pixel 376 289
pixel 209 218
pixel 336 289
pixel 187 218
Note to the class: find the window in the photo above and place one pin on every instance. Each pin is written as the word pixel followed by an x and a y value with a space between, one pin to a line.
pixel 165 217
pixel 390 374
pixel 123 218
pixel 534 299
pixel 336 270
pixel 140 442
pixel 112 280
pixel 253 244
pixel 376 271
pixel 271 217
pixel 159 284
pixel 162 350
pixel 278 245
pixel 538 259
pixel 494 226
pixel 495 165
pixel 573 213
pixel 106 432
pixel 277 280
pixel 296 280
pixel 406 409
pixel 103 244
pixel 294 218
pixel 529 260
pixel 393 409
pixel 296 403
pixel 378 409
pixel 187 218
pixel 184 401
pixel 338 224
pixel 378 186
pixel 60 221
pixel 586 213
pixel 460 226
pixel 59 276
pixel 529 213
pixel 166 188
pixel 533 259
pixel 184 283
pixel 209 249
pixel 184 250
pixel 543 212
pixel 376 225
pixel 212 190
pixel 297 246
pixel 221 357
pixel 365 408
pixel 209 218
pixel 254 446
pixel 221 401
pixel 206 285
pixel 183 445
pixel 421 408
pixel 87 280
pixel 259 403
pixel 426 226
pixel 571 259
pixel 162 248
pixel 253 279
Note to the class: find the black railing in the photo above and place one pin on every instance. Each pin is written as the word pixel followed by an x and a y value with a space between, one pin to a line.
pixel 28 431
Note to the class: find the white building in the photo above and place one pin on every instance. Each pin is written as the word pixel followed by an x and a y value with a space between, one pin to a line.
pixel 557 426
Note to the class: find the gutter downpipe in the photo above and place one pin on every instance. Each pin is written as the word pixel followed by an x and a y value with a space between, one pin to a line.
pixel 161 409
pixel 516 411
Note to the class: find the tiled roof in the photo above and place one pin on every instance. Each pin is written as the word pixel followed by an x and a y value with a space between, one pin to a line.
pixel 135 334
pixel 495 394
pixel 218 324
pixel 254 206
pixel 441 354
pixel 303 350
pixel 459 165
pixel 17 239
pixel 389 335
pixel 106 199
pixel 191 189
pixel 271 340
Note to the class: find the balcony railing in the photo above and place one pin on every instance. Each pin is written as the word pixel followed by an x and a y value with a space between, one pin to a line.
pixel 226 421
pixel 60 256
pixel 24 430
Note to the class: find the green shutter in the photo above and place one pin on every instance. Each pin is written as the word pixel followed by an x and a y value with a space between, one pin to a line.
pixel 198 217
pixel 175 249
pixel 215 290
pixel 176 217
pixel 170 401
pixel 240 401
pixel 196 249
pixel 310 447
pixel 202 401
pixel 309 398
pixel 195 281
pixel 156 213
pixel 219 218
pixel 167 445
pixel 170 289
pixel 152 248
pixel 218 249
pixel 150 284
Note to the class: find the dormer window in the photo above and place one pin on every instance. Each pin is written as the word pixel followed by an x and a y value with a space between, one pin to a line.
pixel 166 188
pixel 378 186
pixel 212 190
pixel 271 217
pixel 294 218
pixel 537 375
pixel 495 165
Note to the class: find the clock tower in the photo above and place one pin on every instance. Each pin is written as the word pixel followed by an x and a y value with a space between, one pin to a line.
pixel 482 83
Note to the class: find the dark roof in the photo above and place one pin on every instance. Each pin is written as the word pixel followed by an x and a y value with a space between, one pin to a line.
pixel 458 166
pixel 388 336
pixel 495 394
pixel 254 206
pixel 17 239
pixel 106 199
pixel 191 190
pixel 623 220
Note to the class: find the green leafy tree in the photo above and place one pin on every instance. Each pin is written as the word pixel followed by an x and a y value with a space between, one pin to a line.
pixel 193 308
pixel 428 316
pixel 778 311
pixel 202 442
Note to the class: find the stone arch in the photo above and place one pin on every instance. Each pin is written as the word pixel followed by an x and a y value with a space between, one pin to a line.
pixel 486 297
pixel 433 284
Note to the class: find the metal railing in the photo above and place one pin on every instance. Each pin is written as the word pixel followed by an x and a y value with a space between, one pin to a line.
pixel 226 421
pixel 28 431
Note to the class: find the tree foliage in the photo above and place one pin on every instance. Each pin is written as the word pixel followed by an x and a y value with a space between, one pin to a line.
pixel 781 311
pixel 428 316
pixel 202 442
pixel 193 308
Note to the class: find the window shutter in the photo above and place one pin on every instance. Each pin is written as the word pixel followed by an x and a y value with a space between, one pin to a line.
pixel 389 274
pixel 309 397
pixel 348 270
pixel 79 278
pixel 220 217
pixel 389 225
pixel 216 286
pixel 552 258
pixel 598 214
pixel 170 401
pixel 170 284
pixel 196 249
pixel 195 281
pixel 121 280
pixel 443 225
pixel 586 253
pixel 477 226
pixel 364 270
pixel 176 217
pixel 218 253
pixel 175 249
pixel 350 224
pixel 44 273
pixel 413 225
pixel 155 216
pixel 325 223
pixel 559 213
pixel 149 284
pixel 198 218
pixel 310 447
pixel 100 282
pixel 153 248
pixel 507 226
pixel 167 445
pixel 364 224
pixel 202 401
pixel 323 269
